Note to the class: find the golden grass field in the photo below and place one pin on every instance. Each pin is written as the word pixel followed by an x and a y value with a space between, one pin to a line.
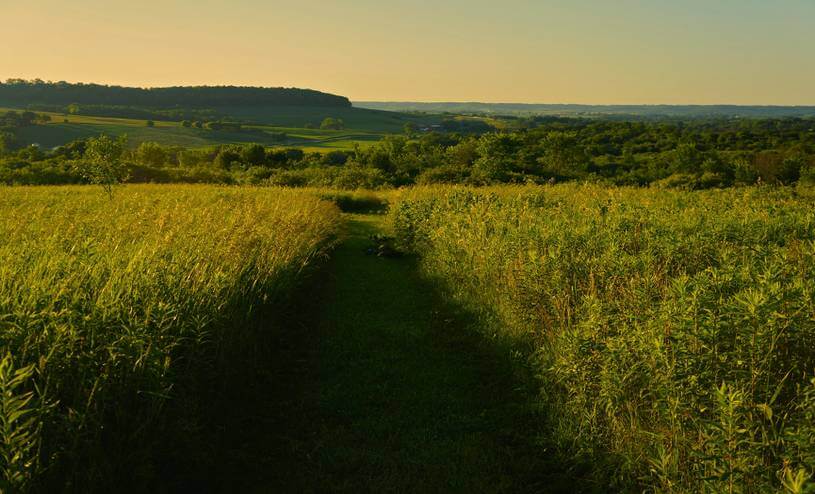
pixel 105 303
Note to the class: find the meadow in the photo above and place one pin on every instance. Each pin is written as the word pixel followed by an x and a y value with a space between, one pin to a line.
pixel 112 309
pixel 558 338
pixel 671 333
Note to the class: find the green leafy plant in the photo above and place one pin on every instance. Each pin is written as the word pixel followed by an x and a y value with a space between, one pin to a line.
pixel 671 330
pixel 18 426
pixel 102 163
pixel 125 303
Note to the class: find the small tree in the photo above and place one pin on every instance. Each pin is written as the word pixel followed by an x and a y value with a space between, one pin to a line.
pixel 102 163
pixel 152 154
pixel 226 157
pixel 150 123
pixel 330 123
pixel 7 142
pixel 790 170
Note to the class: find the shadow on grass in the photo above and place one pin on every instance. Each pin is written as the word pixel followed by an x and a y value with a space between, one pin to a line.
pixel 373 381
pixel 356 202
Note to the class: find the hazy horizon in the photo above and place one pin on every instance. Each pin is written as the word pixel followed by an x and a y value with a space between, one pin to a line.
pixel 4 78
pixel 564 103
pixel 588 52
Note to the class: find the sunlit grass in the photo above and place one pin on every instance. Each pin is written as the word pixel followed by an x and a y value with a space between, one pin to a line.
pixel 673 332
pixel 112 300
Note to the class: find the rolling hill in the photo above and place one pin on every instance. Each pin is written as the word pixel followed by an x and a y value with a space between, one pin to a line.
pixel 270 116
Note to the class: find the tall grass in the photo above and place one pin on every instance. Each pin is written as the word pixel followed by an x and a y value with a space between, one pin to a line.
pixel 105 306
pixel 673 332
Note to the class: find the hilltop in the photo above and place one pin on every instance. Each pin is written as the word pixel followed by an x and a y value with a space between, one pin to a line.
pixel 176 115
pixel 39 92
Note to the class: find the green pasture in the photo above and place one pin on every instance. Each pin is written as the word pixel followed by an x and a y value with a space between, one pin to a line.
pixel 266 124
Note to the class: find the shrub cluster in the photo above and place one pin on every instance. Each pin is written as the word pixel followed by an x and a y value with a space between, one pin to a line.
pixel 692 155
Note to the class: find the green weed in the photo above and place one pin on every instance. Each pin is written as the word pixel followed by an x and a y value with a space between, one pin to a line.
pixel 117 302
pixel 672 331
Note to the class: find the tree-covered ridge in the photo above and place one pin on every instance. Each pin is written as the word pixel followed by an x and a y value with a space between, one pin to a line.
pixel 19 91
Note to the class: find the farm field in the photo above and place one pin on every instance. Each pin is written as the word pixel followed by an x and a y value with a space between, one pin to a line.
pixel 58 132
pixel 362 119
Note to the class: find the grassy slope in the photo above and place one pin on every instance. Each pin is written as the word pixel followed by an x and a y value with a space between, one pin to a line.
pixel 364 127
pixel 354 118
pixel 384 388
pixel 59 132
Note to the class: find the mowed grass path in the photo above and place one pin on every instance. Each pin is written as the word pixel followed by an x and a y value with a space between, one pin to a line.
pixel 381 386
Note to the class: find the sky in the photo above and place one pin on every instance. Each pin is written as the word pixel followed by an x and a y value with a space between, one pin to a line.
pixel 515 51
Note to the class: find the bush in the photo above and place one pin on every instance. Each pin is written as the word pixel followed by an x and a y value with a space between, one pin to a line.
pixel 330 123
pixel 450 174
pixel 180 175
pixel 808 174
pixel 359 201
pixel 17 172
pixel 334 158
pixel 152 154
pixel 346 177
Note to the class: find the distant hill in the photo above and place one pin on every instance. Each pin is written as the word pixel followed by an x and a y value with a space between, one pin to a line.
pixel 17 92
pixel 198 116
pixel 277 107
pixel 645 111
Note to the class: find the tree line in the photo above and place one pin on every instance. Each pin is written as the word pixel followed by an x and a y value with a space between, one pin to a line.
pixel 21 91
pixel 690 155
pixel 11 122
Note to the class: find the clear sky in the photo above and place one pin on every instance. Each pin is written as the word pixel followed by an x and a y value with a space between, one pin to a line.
pixel 535 51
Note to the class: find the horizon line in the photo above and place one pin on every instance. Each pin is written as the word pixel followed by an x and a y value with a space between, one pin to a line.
pixel 449 102
pixel 407 101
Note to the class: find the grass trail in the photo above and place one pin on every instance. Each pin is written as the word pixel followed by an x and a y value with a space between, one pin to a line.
pixel 381 386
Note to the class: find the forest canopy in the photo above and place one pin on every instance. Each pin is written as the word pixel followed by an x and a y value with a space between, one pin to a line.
pixel 38 92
